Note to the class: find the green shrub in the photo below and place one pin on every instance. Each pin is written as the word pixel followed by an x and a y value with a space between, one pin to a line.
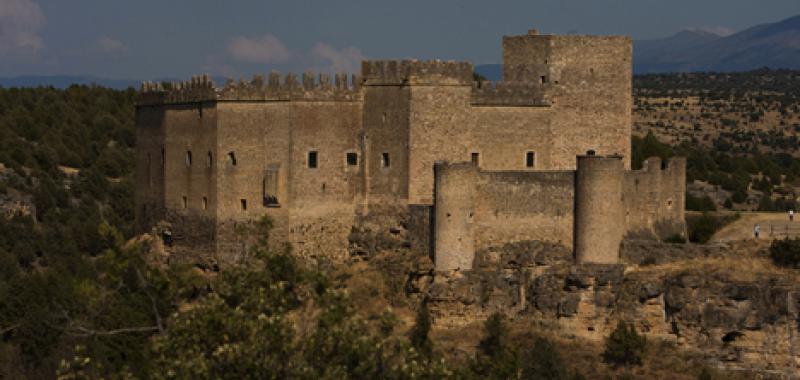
pixel 419 334
pixel 624 346
pixel 495 358
pixel 543 361
pixel 701 229
pixel 704 203
pixel 786 252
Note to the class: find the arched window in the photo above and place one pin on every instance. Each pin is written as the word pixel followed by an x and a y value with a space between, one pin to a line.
pixel 232 158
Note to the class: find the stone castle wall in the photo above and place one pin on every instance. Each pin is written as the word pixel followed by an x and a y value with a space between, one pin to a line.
pixel 561 97
pixel 589 210
pixel 656 197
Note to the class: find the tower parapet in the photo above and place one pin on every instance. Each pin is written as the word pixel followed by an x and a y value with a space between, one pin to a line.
pixel 416 72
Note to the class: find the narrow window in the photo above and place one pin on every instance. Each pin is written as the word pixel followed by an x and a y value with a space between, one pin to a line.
pixel 269 188
pixel 476 159
pixel 209 160
pixel 544 79
pixel 188 158
pixel 244 204
pixel 149 171
pixel 312 159
pixel 352 159
pixel 232 158
pixel 185 202
pixel 385 160
pixel 205 203
pixel 163 157
pixel 530 159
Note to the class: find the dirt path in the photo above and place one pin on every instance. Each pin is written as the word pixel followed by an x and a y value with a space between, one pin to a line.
pixel 773 225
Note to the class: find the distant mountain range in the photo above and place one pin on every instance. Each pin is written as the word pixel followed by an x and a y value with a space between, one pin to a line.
pixel 775 45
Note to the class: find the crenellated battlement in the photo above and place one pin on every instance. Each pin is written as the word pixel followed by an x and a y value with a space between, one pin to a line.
pixel 199 88
pixel 416 72
pixel 309 87
pixel 486 93
pixel 656 165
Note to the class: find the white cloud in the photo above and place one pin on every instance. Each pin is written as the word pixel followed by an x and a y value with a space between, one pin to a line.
pixel 111 45
pixel 20 23
pixel 267 49
pixel 346 59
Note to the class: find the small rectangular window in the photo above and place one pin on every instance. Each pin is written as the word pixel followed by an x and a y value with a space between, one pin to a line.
pixel 188 158
pixel 244 204
pixel 385 160
pixel 352 159
pixel 476 158
pixel 185 202
pixel 232 158
pixel 312 159
pixel 544 79
pixel 269 187
pixel 205 203
pixel 530 159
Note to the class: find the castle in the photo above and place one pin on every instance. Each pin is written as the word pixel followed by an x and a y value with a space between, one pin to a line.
pixel 417 146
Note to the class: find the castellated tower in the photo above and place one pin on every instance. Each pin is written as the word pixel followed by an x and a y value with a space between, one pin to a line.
pixel 332 159
pixel 599 210
pixel 455 210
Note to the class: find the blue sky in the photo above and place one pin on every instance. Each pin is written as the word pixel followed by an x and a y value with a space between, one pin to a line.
pixel 147 39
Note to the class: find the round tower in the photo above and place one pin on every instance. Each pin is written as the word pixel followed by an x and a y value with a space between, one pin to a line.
pixel 599 213
pixel 454 193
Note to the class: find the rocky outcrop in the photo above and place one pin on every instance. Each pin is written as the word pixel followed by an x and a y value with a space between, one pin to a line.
pixel 735 321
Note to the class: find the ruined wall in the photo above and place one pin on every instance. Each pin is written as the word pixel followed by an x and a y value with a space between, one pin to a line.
pixel 654 199
pixel 480 210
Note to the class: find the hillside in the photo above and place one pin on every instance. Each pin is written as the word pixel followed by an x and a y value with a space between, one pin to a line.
pixel 775 45
pixel 76 284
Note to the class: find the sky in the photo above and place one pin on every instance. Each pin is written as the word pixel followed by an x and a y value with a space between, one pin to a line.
pixel 148 39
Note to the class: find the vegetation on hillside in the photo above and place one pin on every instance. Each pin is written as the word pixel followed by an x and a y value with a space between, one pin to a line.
pixel 79 298
pixel 64 274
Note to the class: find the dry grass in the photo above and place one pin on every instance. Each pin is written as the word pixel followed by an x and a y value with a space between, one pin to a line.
pixel 747 262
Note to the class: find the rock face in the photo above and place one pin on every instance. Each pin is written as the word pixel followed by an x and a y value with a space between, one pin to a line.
pixel 733 322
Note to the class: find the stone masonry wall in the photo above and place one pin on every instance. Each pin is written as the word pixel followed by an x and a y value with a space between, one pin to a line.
pixel 477 210
pixel 149 177
pixel 190 132
pixel 654 199
pixel 589 85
